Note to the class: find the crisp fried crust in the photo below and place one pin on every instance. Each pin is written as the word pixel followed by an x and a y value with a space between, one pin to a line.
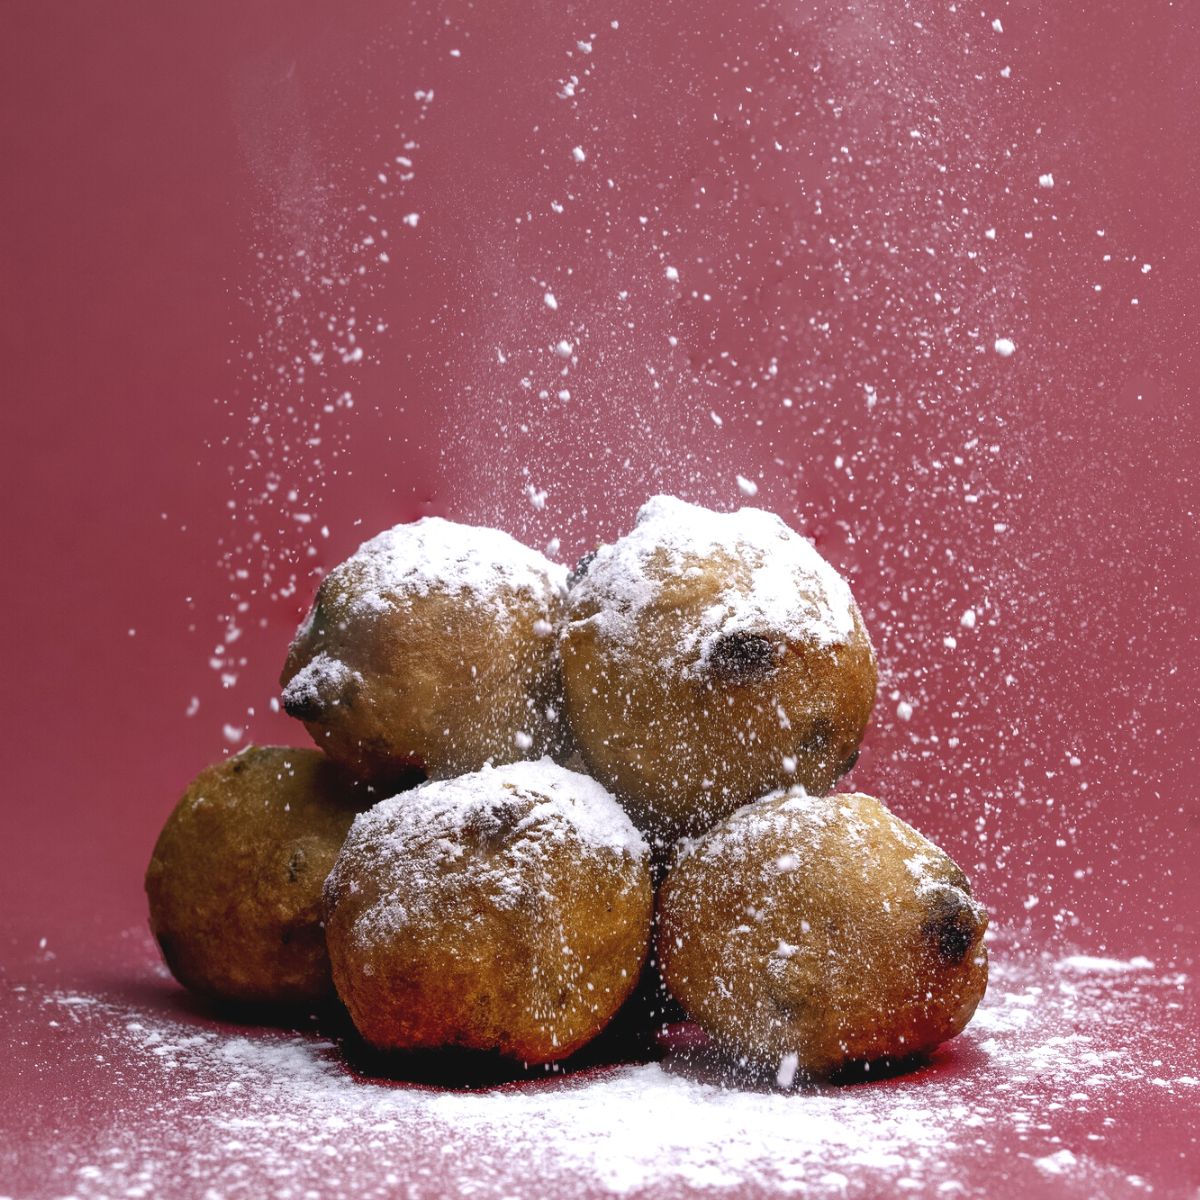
pixel 684 739
pixel 235 880
pixel 399 682
pixel 823 928
pixel 490 924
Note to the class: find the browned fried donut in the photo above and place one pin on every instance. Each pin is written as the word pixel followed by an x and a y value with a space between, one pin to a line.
pixel 709 657
pixel 808 933
pixel 235 880
pixel 430 651
pixel 507 910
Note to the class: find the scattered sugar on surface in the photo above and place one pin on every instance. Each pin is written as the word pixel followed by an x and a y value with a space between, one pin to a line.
pixel 792 591
pixel 279 1114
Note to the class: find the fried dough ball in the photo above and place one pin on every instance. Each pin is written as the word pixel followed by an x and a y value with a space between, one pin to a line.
pixel 805 934
pixel 507 910
pixel 708 658
pixel 429 652
pixel 235 880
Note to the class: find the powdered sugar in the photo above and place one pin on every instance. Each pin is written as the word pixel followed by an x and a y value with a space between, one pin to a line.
pixel 744 831
pixel 1089 962
pixel 425 843
pixel 195 1107
pixel 568 799
pixel 789 592
pixel 792 817
pixel 433 554
pixel 320 677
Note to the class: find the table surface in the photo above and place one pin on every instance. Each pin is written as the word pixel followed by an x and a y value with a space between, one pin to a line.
pixel 1080 1076
pixel 276 276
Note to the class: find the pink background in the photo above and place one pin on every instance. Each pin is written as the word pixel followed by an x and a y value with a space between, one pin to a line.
pixel 186 193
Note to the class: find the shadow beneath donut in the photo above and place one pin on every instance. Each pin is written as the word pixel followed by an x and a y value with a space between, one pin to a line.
pixel 623 1042
pixel 167 998
pixel 690 1054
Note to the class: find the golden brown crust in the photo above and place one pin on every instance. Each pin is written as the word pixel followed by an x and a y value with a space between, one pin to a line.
pixel 486 922
pixel 234 883
pixel 823 928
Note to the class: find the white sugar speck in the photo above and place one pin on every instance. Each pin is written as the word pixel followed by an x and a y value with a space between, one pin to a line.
pixel 1057 1163
pixel 997 26
pixel 550 302
pixel 747 486
pixel 1046 181
pixel 788 1066
pixel 672 274
pixel 578 155
pixel 411 219
pixel 967 620
pixel 904 710
pixel 1005 347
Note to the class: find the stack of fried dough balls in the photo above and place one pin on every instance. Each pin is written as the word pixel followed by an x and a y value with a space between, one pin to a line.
pixel 681 703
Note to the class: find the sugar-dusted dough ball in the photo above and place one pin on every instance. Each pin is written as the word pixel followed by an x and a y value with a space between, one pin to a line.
pixel 507 910
pixel 430 651
pixel 807 933
pixel 235 880
pixel 710 657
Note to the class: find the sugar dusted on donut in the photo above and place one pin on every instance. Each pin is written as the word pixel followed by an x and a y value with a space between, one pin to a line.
pixel 429 652
pixel 444 815
pixel 807 934
pixel 708 658
pixel 436 555
pixel 668 538
pixel 508 910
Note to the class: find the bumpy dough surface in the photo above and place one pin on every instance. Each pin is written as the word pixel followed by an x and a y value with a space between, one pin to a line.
pixel 710 657
pixel 507 910
pixel 235 880
pixel 823 928
pixel 430 651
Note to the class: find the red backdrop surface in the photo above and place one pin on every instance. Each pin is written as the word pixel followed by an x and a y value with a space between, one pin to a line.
pixel 276 276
